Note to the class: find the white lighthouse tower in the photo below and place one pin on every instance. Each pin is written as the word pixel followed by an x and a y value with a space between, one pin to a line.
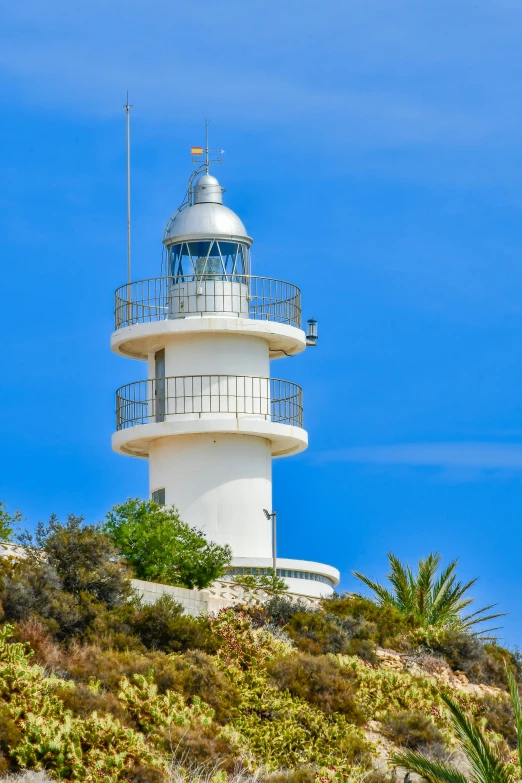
pixel 209 417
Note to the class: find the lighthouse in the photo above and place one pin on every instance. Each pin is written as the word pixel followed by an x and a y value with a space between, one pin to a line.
pixel 210 417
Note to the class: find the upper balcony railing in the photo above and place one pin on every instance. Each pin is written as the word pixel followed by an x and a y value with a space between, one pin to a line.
pixel 163 298
pixel 204 396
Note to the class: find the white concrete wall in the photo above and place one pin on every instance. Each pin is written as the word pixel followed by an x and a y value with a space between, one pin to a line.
pixel 220 483
pixel 214 354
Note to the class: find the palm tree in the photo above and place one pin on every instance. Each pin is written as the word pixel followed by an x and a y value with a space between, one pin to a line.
pixel 486 765
pixel 427 599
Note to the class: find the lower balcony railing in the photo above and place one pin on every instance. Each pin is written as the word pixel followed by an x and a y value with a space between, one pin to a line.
pixel 245 296
pixel 199 396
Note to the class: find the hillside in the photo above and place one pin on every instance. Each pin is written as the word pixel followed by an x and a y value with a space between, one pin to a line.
pixel 286 704
pixel 96 686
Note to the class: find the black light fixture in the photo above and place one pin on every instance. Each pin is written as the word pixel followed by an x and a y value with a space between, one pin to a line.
pixel 311 335
pixel 273 517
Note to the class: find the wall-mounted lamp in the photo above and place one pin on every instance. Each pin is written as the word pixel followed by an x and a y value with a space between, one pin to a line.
pixel 273 517
pixel 311 334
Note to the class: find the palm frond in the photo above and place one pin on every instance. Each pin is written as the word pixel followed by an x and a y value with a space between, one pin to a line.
pixel 479 611
pixel 450 601
pixel 468 621
pixel 401 579
pixel 384 595
pixel 515 699
pixel 481 634
pixel 431 771
pixel 482 756
pixel 423 587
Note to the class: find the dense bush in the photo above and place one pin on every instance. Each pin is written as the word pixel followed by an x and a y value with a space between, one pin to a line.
pixel 384 625
pixel 163 626
pixel 500 718
pixel 320 681
pixel 280 609
pixel 481 662
pixel 346 624
pixel 198 674
pixel 69 576
pixel 412 729
pixel 318 633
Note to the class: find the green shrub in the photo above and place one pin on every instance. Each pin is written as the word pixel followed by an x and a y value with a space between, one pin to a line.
pixel 363 619
pixel 320 681
pixel 277 730
pixel 296 775
pixel 280 609
pixel 272 727
pixel 83 700
pixel 84 559
pixel 481 662
pixel 349 625
pixel 162 548
pixel 500 718
pixel 272 583
pixel 10 734
pixel 204 746
pixel 144 773
pixel 411 729
pixel 8 522
pixel 383 691
pixel 70 576
pixel 163 626
pixel 197 674
pixel 90 663
pixel 318 633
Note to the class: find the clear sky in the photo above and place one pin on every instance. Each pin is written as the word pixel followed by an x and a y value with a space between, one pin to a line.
pixel 374 151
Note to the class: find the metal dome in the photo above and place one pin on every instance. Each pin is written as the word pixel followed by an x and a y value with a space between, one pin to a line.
pixel 207 220
pixel 206 217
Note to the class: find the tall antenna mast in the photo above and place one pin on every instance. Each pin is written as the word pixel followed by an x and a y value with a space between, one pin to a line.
pixel 127 108
pixel 207 161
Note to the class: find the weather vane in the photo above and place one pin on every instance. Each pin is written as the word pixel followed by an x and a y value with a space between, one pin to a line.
pixel 201 156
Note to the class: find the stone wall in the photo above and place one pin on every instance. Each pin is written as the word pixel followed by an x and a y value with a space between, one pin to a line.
pixel 220 595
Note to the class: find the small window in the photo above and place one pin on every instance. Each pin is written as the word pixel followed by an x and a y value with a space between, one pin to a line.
pixel 158 496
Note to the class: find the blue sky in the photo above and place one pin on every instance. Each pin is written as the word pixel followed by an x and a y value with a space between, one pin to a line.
pixel 373 151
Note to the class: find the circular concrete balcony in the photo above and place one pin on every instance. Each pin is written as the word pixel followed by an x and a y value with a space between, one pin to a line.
pixel 148 310
pixel 202 404
pixel 303 577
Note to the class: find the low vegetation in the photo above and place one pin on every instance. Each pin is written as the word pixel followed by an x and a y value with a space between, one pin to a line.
pixel 270 582
pixel 96 686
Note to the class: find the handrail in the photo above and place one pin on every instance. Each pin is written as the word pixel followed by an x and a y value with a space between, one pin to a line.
pixel 246 296
pixel 160 399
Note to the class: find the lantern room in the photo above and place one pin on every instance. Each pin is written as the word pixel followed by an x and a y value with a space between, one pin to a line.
pixel 207 255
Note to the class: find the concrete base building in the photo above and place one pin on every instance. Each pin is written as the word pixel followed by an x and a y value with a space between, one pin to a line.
pixel 210 418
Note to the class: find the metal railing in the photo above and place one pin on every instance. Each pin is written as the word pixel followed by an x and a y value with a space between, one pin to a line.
pixel 162 298
pixel 199 396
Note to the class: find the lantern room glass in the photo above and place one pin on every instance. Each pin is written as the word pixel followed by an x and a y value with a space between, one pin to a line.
pixel 209 258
